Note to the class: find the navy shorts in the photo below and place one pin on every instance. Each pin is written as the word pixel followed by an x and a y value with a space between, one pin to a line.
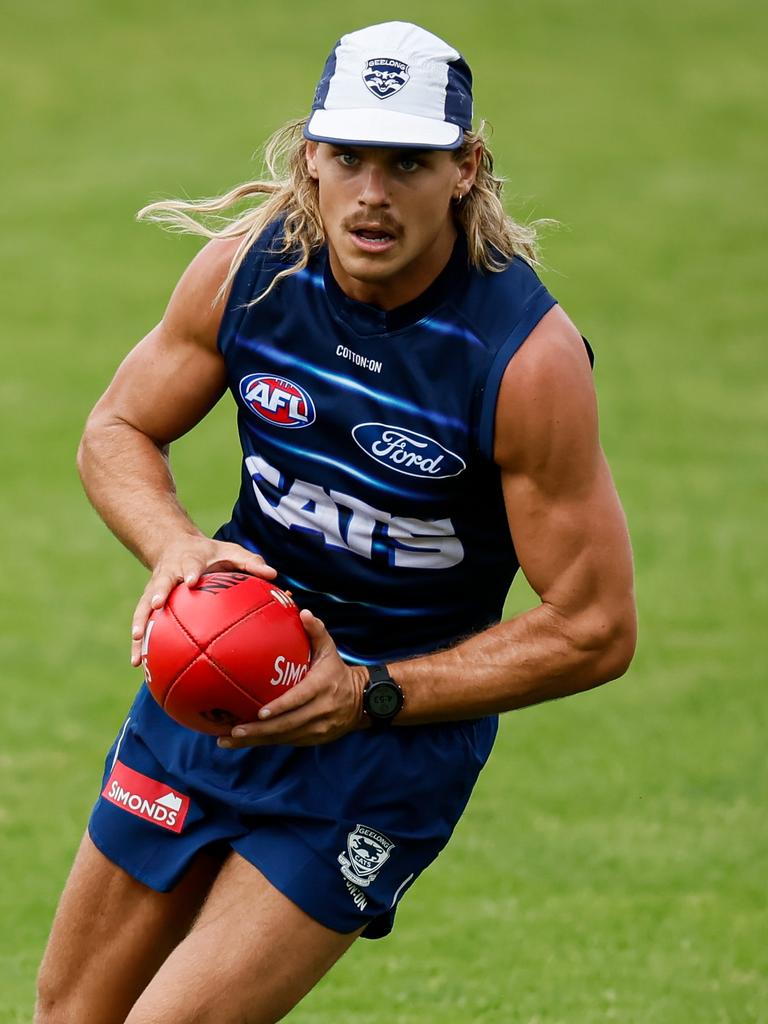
pixel 342 829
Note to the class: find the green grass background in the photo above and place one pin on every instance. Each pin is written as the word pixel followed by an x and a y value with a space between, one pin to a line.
pixel 612 866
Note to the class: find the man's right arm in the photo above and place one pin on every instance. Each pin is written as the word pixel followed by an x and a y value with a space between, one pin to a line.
pixel 165 385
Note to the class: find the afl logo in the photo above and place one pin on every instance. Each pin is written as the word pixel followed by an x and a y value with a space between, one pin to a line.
pixel 407 452
pixel 279 401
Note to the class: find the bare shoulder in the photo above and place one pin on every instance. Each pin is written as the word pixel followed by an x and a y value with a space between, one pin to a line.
pixel 195 309
pixel 173 376
pixel 547 406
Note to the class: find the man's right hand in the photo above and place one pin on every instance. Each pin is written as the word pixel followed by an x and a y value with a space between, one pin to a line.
pixel 185 561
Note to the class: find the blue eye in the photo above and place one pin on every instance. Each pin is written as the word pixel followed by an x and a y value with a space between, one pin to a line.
pixel 347 159
pixel 408 164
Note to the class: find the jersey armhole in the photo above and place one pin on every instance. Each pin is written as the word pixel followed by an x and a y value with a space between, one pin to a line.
pixel 540 303
pixel 237 302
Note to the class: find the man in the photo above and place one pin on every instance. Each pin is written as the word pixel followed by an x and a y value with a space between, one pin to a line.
pixel 411 401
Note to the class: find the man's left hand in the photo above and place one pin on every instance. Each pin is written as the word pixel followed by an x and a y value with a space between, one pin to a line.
pixel 325 705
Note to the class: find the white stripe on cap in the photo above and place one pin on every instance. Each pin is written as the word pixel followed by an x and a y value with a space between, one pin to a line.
pixel 426 56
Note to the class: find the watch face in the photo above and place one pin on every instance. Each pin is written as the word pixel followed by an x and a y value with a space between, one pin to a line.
pixel 383 701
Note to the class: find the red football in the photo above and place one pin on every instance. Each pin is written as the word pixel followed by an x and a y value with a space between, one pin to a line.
pixel 217 652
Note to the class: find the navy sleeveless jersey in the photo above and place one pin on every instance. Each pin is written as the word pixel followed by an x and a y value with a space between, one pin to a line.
pixel 368 478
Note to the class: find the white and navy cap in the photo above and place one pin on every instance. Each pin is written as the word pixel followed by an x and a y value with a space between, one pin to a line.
pixel 393 85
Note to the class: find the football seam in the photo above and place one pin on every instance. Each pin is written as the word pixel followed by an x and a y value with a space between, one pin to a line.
pixel 205 653
pixel 227 676
pixel 216 635
pixel 234 682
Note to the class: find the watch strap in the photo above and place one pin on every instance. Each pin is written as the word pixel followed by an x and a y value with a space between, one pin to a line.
pixel 377 673
pixel 382 697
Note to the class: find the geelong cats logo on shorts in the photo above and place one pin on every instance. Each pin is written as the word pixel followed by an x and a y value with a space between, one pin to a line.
pixel 367 851
pixel 384 76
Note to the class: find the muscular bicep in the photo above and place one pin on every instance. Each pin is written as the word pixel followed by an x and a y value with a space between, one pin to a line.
pixel 174 376
pixel 564 513
pixel 164 386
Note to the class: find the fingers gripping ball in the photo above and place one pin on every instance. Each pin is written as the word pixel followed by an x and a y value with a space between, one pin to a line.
pixel 217 652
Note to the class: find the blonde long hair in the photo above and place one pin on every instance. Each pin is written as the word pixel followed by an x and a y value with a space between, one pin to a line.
pixel 493 237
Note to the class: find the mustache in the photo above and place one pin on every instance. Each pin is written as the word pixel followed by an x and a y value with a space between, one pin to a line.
pixel 372 222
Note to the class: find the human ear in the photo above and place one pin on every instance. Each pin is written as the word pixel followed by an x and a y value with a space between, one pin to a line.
pixel 310 153
pixel 467 171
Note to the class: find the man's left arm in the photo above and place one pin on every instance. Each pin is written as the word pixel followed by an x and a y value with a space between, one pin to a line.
pixel 572 543
pixel 571 539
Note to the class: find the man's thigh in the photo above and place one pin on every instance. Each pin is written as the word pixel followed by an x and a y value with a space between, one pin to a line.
pixel 251 955
pixel 110 935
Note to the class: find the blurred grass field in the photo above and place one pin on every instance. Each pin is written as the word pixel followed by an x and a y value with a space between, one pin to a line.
pixel 612 865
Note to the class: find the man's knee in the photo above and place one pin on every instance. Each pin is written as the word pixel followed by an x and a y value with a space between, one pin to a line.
pixel 64 998
pixel 159 1011
pixel 55 1003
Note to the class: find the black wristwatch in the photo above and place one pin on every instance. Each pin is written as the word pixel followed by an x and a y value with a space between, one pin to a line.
pixel 382 697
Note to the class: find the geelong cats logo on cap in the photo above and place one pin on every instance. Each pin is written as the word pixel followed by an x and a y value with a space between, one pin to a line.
pixel 384 76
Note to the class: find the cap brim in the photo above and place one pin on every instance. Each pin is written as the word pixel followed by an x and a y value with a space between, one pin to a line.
pixel 382 128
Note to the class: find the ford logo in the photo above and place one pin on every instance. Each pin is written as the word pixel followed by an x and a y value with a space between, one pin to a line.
pixel 407 452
